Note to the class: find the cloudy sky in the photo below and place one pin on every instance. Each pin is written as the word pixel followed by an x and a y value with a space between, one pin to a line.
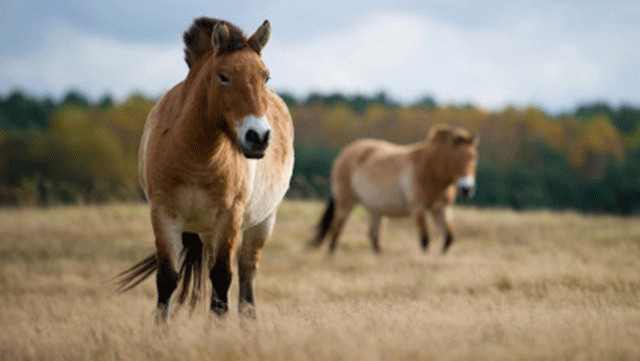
pixel 552 54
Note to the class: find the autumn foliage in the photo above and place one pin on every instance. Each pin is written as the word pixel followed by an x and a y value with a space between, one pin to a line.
pixel 75 151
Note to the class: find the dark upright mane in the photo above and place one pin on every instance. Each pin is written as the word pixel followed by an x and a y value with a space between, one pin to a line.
pixel 197 39
pixel 444 133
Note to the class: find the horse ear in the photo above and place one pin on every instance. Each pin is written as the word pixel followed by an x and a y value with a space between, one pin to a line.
pixel 219 36
pixel 261 37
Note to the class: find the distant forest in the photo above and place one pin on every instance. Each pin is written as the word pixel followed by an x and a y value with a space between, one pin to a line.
pixel 75 151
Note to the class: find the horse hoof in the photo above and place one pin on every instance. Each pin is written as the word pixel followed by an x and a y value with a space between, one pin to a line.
pixel 247 312
pixel 220 308
pixel 314 244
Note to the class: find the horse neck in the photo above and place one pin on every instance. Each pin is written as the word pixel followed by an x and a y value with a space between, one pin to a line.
pixel 434 159
pixel 200 130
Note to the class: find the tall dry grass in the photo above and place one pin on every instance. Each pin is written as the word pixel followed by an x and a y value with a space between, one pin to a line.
pixel 534 285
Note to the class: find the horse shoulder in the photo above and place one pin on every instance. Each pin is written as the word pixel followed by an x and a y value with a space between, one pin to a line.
pixel 429 164
pixel 158 123
pixel 282 124
pixel 270 176
pixel 421 175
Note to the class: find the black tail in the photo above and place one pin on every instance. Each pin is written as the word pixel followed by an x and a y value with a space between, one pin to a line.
pixel 191 267
pixel 139 272
pixel 325 224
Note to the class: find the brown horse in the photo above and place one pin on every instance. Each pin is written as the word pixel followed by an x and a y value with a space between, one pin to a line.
pixel 394 180
pixel 215 160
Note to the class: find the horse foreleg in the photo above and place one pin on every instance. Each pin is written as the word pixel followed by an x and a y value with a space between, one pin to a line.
pixel 220 274
pixel 167 233
pixel 253 240
pixel 444 217
pixel 374 231
pixel 423 227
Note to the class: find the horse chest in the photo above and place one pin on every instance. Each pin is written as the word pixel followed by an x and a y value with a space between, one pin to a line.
pixel 267 190
pixel 196 206
pixel 258 208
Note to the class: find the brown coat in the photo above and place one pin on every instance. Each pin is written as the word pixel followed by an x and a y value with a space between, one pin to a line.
pixel 215 160
pixel 401 180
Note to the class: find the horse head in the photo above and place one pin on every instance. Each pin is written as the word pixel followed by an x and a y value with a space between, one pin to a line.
pixel 464 157
pixel 237 78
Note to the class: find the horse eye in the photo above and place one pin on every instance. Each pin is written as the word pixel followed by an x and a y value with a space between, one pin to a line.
pixel 267 79
pixel 223 79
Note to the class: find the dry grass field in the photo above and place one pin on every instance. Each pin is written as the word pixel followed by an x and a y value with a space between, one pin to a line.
pixel 531 285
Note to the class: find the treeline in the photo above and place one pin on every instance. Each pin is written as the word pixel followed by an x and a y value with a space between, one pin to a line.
pixel 69 151
pixel 74 150
pixel 587 159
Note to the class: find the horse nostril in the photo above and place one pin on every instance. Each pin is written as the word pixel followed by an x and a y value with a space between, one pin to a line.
pixel 465 191
pixel 267 136
pixel 252 137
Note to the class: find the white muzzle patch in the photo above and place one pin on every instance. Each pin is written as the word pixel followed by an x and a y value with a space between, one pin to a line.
pixel 466 186
pixel 254 135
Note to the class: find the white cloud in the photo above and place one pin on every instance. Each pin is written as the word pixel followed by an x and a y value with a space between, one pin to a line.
pixel 535 61
pixel 531 61
pixel 356 60
pixel 96 65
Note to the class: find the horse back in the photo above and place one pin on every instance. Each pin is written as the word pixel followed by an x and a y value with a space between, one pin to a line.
pixel 376 173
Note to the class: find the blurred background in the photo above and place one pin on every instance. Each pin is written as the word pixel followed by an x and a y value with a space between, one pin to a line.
pixel 553 89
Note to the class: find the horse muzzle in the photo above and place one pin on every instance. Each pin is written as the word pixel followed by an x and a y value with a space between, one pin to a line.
pixel 466 187
pixel 254 137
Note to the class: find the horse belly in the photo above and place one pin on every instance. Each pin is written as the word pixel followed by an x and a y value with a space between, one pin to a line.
pixel 385 197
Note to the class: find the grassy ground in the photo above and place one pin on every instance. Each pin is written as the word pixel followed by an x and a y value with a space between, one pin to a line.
pixel 535 285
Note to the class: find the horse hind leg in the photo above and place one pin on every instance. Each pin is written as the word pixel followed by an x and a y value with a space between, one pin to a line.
pixel 253 240
pixel 374 231
pixel 332 222
pixel 336 227
pixel 345 199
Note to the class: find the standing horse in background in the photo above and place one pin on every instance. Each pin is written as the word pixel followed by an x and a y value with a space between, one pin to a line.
pixel 215 160
pixel 394 180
